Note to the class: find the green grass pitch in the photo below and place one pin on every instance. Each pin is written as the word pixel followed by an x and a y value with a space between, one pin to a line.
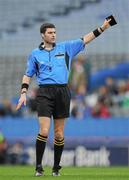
pixel 69 173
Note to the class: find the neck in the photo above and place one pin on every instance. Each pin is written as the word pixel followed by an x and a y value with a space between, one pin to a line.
pixel 48 46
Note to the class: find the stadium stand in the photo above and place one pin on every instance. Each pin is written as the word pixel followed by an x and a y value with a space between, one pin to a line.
pixel 29 14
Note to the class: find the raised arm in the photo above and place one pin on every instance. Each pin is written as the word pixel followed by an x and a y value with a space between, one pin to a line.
pixel 92 35
pixel 24 88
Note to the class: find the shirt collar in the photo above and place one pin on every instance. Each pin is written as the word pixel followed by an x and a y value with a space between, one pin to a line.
pixel 42 46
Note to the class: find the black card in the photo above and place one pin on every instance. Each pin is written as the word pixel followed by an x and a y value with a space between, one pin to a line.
pixel 113 21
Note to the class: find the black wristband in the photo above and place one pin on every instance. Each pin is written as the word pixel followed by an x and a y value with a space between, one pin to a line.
pixel 96 32
pixel 25 85
pixel 23 92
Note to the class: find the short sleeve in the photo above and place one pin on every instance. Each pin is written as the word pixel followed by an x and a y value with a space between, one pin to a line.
pixel 73 47
pixel 31 66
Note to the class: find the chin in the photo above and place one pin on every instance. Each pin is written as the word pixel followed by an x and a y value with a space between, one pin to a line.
pixel 53 41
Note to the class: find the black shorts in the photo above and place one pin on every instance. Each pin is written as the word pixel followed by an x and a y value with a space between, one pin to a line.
pixel 53 100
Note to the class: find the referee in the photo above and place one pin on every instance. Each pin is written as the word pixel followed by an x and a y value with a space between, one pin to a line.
pixel 51 62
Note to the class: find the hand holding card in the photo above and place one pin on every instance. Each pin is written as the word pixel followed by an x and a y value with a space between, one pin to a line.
pixel 113 21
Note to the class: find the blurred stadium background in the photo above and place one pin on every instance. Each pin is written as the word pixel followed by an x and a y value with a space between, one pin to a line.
pixel 97 133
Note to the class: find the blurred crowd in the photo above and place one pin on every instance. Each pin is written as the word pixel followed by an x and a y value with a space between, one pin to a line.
pixel 15 153
pixel 109 100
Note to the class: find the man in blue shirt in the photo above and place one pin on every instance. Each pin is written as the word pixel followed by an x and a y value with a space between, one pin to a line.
pixel 51 62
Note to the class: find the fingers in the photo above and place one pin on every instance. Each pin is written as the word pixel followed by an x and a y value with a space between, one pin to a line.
pixel 24 103
pixel 20 104
pixel 107 23
pixel 109 20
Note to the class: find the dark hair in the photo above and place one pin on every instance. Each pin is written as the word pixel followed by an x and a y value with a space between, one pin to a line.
pixel 44 27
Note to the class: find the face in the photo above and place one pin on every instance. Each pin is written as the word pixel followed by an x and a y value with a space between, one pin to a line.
pixel 49 36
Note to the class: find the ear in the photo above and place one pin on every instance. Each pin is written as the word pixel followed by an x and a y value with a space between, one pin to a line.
pixel 42 35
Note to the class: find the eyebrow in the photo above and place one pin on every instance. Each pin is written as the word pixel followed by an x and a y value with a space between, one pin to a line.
pixel 51 31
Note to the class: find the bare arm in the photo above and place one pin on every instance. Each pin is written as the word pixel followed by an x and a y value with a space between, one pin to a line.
pixel 90 36
pixel 22 100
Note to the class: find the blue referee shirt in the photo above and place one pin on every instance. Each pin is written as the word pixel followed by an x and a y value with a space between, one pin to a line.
pixel 52 67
